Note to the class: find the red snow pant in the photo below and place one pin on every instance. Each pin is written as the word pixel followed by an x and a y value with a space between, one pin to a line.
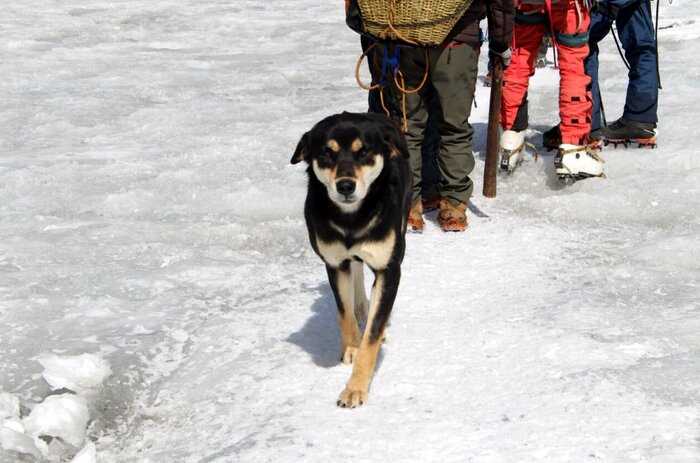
pixel 570 28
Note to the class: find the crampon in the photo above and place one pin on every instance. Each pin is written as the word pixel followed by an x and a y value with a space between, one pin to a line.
pixel 512 150
pixel 573 163
pixel 626 133
pixel 511 159
pixel 648 143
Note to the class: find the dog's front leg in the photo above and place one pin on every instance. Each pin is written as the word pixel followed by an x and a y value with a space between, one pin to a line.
pixel 384 290
pixel 342 284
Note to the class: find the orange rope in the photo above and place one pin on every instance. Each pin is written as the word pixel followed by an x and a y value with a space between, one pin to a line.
pixel 381 100
pixel 403 108
pixel 362 85
pixel 422 83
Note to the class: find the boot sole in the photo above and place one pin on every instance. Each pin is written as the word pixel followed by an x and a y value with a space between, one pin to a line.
pixel 453 226
pixel 570 179
pixel 453 229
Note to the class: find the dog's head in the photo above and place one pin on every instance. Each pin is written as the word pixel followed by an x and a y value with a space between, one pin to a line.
pixel 348 152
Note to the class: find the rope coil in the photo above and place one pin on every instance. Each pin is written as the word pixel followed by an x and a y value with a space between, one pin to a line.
pixel 391 66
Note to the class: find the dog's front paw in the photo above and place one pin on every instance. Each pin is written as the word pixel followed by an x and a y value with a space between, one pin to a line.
pixel 349 355
pixel 351 398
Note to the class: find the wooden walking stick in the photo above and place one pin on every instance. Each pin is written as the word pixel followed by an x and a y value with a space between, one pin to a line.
pixel 491 165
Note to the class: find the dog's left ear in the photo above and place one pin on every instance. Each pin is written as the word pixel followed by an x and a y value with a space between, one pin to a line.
pixel 302 151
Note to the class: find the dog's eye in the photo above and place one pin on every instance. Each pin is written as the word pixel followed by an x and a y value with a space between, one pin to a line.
pixel 362 153
pixel 325 157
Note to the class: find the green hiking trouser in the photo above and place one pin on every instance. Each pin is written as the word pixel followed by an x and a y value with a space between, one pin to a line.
pixel 452 74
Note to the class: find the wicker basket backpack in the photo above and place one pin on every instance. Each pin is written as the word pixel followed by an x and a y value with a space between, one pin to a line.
pixel 419 22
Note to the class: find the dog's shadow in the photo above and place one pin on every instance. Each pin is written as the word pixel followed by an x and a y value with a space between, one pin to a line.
pixel 320 336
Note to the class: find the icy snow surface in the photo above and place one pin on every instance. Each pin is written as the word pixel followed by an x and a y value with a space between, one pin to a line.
pixel 87 455
pixel 148 214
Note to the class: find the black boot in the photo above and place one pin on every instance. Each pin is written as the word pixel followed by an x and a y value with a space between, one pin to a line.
pixel 551 139
pixel 624 132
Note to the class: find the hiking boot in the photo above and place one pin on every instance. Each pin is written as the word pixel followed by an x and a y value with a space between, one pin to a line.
pixel 415 216
pixel 595 139
pixel 551 139
pixel 625 132
pixel 512 146
pixel 576 162
pixel 452 217
pixel 431 203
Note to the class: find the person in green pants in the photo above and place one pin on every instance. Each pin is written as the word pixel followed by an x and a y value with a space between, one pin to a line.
pixel 451 79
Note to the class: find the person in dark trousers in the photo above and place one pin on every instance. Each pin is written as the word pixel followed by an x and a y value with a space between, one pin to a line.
pixel 451 79
pixel 633 21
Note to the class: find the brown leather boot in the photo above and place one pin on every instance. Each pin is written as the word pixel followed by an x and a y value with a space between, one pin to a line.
pixel 452 217
pixel 415 216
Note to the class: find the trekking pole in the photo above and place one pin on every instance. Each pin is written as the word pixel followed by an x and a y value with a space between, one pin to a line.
pixel 491 165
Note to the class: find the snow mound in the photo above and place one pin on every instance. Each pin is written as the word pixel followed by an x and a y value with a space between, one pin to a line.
pixel 87 455
pixel 77 373
pixel 64 416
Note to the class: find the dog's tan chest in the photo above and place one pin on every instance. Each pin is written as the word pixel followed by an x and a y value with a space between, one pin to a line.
pixel 376 254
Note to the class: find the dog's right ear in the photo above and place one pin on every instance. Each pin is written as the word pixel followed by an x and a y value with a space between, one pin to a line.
pixel 302 151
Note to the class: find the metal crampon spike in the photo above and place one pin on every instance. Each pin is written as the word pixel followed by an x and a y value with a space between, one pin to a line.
pixel 641 143
pixel 567 179
pixel 507 166
pixel 616 143
pixel 570 179
pixel 650 143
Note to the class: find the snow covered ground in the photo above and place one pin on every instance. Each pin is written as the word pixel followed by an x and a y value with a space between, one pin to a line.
pixel 148 214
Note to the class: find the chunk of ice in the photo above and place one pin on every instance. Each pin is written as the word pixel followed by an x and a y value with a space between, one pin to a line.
pixel 77 373
pixel 65 416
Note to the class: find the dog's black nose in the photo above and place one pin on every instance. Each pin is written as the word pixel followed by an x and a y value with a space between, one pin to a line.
pixel 345 187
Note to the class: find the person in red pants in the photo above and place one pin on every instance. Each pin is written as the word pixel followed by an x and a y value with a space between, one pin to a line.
pixel 568 21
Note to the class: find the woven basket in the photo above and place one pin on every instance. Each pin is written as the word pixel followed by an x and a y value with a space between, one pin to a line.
pixel 422 22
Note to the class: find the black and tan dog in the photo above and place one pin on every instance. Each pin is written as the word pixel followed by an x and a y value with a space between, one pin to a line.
pixel 356 211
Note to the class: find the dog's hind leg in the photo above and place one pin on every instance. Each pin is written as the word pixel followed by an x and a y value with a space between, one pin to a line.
pixel 361 301
pixel 384 291
pixel 341 281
